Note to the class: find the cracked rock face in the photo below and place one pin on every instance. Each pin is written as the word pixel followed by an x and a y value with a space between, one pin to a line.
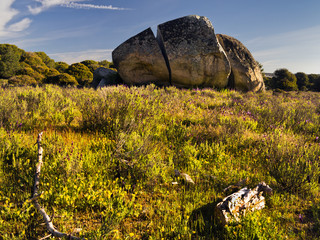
pixel 245 71
pixel 194 54
pixel 187 53
pixel 139 60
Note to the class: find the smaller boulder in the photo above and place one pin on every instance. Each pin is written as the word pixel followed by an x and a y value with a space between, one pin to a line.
pixel 245 71
pixel 103 77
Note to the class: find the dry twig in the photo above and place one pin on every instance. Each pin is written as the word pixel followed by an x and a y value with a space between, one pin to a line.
pixel 35 196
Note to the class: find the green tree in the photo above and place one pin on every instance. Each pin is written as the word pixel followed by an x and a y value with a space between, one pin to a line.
pixel 26 69
pixel 105 63
pixel 81 73
pixel 92 65
pixel 302 81
pixel 9 60
pixel 63 79
pixel 22 80
pixel 35 62
pixel 285 80
pixel 61 66
pixel 314 80
pixel 46 59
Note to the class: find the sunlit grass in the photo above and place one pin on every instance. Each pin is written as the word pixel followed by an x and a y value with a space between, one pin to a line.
pixel 110 156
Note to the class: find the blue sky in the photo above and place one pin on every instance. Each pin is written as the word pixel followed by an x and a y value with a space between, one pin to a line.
pixel 279 33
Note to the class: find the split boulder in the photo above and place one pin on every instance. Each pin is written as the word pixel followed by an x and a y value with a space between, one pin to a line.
pixel 187 53
pixel 194 55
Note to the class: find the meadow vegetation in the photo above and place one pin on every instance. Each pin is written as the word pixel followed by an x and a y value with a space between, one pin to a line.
pixel 110 156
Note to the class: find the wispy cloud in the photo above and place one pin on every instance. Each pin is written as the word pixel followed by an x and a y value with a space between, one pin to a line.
pixel 92 6
pixel 7 14
pixel 20 26
pixel 73 57
pixel 46 4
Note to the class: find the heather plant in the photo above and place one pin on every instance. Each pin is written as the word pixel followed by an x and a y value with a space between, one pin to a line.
pixel 110 158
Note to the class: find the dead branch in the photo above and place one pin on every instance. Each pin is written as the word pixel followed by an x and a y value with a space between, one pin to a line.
pixel 35 196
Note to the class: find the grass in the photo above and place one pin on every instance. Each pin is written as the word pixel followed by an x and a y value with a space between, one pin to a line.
pixel 110 156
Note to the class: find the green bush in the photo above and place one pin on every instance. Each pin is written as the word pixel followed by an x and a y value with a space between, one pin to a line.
pixel 33 60
pixel 284 80
pixel 9 60
pixel 61 66
pixel 22 80
pixel 46 59
pixel 26 69
pixel 62 79
pixel 92 65
pixel 105 64
pixel 302 81
pixel 314 80
pixel 81 73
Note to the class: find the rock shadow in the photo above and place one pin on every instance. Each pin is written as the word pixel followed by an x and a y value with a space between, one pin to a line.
pixel 203 223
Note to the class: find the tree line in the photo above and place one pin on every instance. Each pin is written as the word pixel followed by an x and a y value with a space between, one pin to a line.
pixel 19 68
pixel 283 79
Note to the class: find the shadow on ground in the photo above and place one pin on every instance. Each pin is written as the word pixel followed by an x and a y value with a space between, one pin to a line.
pixel 203 223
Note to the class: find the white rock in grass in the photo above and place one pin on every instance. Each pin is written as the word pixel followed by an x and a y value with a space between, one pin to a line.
pixel 186 177
pixel 239 203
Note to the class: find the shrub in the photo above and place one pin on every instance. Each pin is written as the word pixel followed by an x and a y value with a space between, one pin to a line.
pixel 22 80
pixel 284 80
pixel 81 73
pixel 9 60
pixel 105 63
pixel 92 65
pixel 33 60
pixel 62 79
pixel 61 66
pixel 314 80
pixel 26 69
pixel 302 81
pixel 46 59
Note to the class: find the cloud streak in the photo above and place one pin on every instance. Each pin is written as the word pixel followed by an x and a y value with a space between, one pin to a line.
pixel 20 26
pixel 92 6
pixel 46 4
